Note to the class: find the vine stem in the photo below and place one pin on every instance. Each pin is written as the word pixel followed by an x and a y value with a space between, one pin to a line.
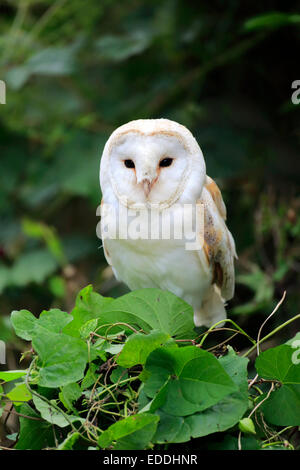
pixel 260 330
pixel 296 317
pixel 267 319
pixel 130 379
pixel 277 434
pixel 253 411
pixel 221 322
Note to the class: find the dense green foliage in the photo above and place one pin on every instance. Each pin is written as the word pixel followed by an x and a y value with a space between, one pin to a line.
pixel 75 71
pixel 118 374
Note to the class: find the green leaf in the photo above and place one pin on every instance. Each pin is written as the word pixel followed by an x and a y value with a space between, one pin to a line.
pixel 278 363
pixel 52 415
pixel 55 61
pixel 219 417
pixel 69 394
pixel 54 320
pixel 138 347
pixel 282 408
pixel 57 286
pixel 19 393
pixel 89 306
pixel 42 231
pixel 194 378
pixel 42 264
pixel 230 409
pixel 25 324
pixel 90 377
pixel 272 20
pixel 62 358
pixel 281 363
pixel 292 342
pixel 132 433
pixel 171 429
pixel 10 375
pixel 69 442
pixel 88 328
pixel 120 373
pixel 118 48
pixel 35 433
pixel 151 309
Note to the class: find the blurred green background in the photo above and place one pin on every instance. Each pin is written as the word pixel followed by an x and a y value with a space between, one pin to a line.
pixel 75 70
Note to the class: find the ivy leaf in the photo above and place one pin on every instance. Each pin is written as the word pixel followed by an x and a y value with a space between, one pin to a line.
pixel 55 61
pixel 87 328
pixel 42 263
pixel 69 442
pixel 90 377
pixel 89 306
pixel 278 364
pixel 69 394
pixel 118 374
pixel 35 433
pixel 132 433
pixel 62 358
pixel 54 320
pixel 119 48
pixel 25 323
pixel 190 379
pixel 283 406
pixel 281 363
pixel 19 393
pixel 10 375
pixel 138 347
pixel 220 417
pixel 151 309
pixel 52 415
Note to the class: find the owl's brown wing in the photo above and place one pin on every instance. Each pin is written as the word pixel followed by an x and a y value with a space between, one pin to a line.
pixel 219 246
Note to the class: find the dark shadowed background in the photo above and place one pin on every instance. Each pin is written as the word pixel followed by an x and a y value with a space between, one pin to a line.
pixel 76 70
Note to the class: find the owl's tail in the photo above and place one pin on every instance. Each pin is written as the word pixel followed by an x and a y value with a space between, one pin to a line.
pixel 212 309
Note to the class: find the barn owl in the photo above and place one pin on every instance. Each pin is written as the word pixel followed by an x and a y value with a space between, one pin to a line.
pixel 158 163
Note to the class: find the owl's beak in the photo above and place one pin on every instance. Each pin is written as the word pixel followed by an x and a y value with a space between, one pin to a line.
pixel 146 183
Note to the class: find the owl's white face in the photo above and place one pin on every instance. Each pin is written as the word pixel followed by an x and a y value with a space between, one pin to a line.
pixel 148 168
pixel 151 167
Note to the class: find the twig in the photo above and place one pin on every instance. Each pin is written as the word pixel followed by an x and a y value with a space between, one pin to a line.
pixel 259 333
pixel 223 342
pixel 267 319
pixel 34 418
pixel 213 328
pixel 296 317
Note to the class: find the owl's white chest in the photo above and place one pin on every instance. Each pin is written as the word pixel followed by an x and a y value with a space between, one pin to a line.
pixel 162 263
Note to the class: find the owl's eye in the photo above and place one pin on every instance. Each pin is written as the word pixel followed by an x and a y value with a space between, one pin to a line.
pixel 166 162
pixel 129 164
